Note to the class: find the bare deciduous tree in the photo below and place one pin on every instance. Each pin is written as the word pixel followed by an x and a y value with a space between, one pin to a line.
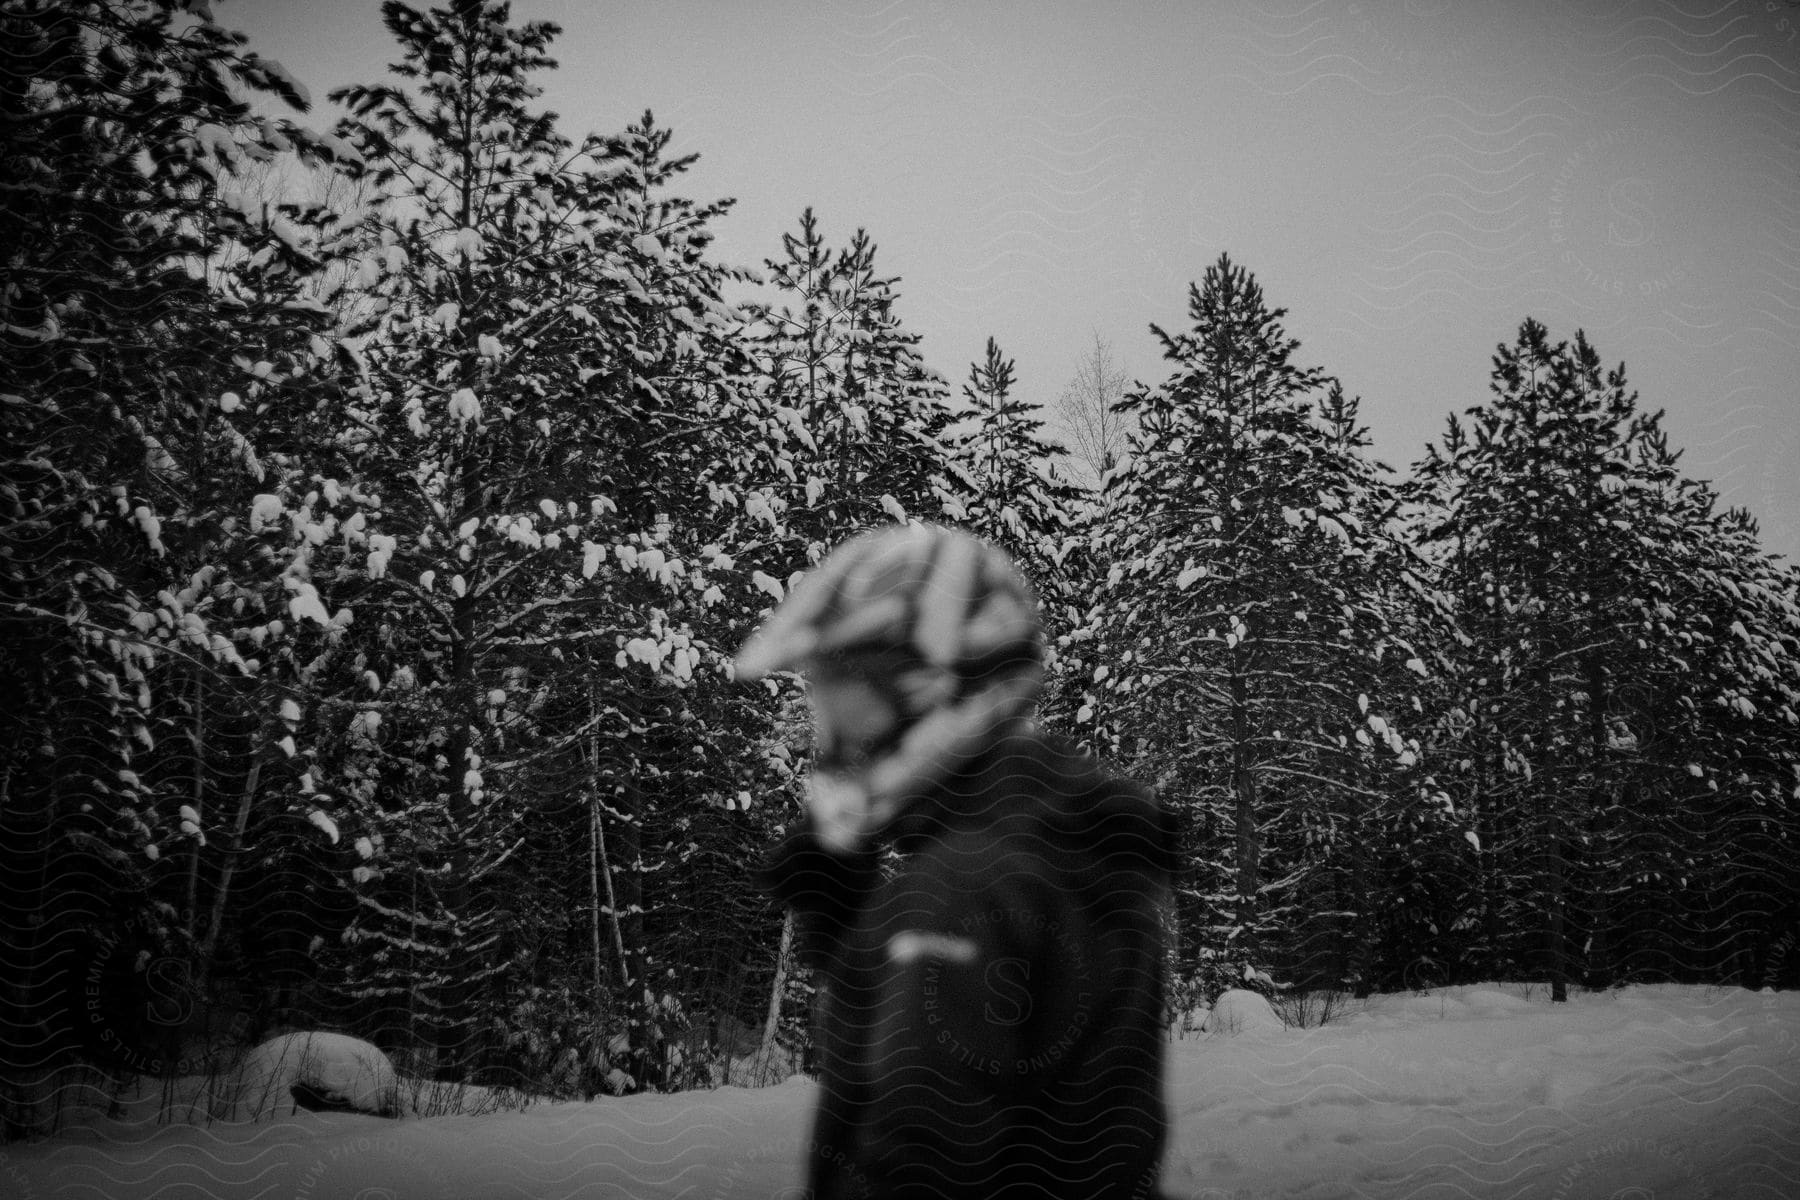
pixel 1087 418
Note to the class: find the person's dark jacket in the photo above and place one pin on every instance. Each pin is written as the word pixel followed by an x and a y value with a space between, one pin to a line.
pixel 992 967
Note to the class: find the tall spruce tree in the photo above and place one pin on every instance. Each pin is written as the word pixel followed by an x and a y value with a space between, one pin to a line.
pixel 1237 648
pixel 864 410
pixel 150 322
pixel 550 367
pixel 1018 500
pixel 1590 580
pixel 1524 591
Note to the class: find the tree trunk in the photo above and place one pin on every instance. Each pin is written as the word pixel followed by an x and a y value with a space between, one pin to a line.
pixel 456 1001
pixel 209 945
pixel 772 1022
pixel 612 902
pixel 1358 934
pixel 1495 874
pixel 1249 846
pixel 600 875
pixel 629 927
pixel 190 911
pixel 458 898
pixel 593 898
pixel 1603 846
pixel 1556 949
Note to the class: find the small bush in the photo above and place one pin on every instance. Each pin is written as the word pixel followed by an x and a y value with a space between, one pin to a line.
pixel 1309 1010
pixel 437 1098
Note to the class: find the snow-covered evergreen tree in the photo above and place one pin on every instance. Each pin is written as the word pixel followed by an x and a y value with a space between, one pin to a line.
pixel 1244 644
pixel 1521 512
pixel 150 321
pixel 1394 827
pixel 1018 500
pixel 1589 580
pixel 551 374
pixel 848 378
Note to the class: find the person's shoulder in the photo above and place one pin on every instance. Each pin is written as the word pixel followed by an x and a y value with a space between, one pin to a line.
pixel 1101 810
pixel 1067 775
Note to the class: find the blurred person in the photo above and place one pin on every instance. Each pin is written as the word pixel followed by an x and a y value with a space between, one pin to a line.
pixel 981 903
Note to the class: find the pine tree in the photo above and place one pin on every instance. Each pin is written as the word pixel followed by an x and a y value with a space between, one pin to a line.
pixel 865 411
pixel 551 372
pixel 145 301
pixel 1708 726
pixel 1584 571
pixel 1019 502
pixel 1237 644
pixel 1381 845
pixel 1527 460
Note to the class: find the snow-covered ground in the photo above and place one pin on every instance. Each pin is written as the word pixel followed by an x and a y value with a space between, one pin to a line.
pixel 1649 1093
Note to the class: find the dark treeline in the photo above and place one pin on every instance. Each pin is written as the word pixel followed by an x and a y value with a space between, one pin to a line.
pixel 382 508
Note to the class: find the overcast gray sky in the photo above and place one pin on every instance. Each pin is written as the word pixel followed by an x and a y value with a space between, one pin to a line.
pixel 1409 178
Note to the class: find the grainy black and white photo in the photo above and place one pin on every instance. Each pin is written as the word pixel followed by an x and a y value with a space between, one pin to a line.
pixel 891 599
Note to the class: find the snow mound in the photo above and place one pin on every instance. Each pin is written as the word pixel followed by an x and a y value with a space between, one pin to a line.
pixel 1238 1010
pixel 327 1069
